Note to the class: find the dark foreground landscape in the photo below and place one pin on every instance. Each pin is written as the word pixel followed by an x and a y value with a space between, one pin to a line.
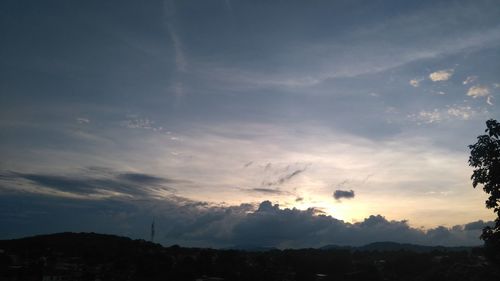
pixel 90 256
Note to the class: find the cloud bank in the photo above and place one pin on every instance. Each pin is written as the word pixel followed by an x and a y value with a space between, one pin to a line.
pixel 183 221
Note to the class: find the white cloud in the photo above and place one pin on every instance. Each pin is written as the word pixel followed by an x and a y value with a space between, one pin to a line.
pixel 427 117
pixel 81 120
pixel 180 59
pixel 416 82
pixel 441 75
pixel 469 80
pixel 478 91
pixel 141 123
pixel 454 112
pixel 460 112
pixel 489 100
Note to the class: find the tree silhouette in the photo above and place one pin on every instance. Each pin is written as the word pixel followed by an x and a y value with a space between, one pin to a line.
pixel 485 159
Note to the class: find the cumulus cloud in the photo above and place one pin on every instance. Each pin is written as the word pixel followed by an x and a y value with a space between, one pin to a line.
pixel 188 222
pixel 347 194
pixel 478 91
pixel 441 75
pixel 478 225
pixel 272 226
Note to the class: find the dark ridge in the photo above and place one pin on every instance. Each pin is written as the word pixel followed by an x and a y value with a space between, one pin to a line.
pixel 85 241
pixel 393 246
pixel 78 242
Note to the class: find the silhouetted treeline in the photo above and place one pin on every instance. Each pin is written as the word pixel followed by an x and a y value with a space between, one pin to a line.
pixel 89 256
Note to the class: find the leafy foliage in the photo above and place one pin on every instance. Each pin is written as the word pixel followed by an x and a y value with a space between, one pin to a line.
pixel 485 159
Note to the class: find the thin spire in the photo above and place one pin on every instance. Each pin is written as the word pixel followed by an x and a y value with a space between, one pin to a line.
pixel 153 231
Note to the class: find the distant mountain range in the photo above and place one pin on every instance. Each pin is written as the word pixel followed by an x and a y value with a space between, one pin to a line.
pixel 96 242
pixel 394 246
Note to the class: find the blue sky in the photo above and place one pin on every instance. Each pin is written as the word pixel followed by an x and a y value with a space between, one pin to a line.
pixel 203 114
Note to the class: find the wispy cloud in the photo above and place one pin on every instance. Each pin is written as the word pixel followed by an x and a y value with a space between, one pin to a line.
pixel 135 122
pixel 268 191
pixel 180 57
pixel 97 183
pixel 461 112
pixel 284 178
pixel 426 116
pixel 489 100
pixel 454 112
pixel 469 80
pixel 228 5
pixel 82 120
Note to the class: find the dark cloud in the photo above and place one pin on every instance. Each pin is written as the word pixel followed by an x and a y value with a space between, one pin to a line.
pixel 267 190
pixel 271 226
pixel 143 178
pixel 478 225
pixel 290 176
pixel 93 183
pixel 284 178
pixel 347 194
pixel 187 222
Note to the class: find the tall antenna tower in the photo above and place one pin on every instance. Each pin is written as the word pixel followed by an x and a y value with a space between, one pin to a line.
pixel 153 231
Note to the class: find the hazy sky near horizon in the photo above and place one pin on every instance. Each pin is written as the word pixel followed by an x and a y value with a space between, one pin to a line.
pixel 343 110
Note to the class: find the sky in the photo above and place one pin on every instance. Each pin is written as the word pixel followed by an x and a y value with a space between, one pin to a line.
pixel 237 122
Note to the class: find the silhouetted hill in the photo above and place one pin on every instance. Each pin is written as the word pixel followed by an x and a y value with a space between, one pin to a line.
pixel 336 247
pixel 250 248
pixel 393 246
pixel 78 243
